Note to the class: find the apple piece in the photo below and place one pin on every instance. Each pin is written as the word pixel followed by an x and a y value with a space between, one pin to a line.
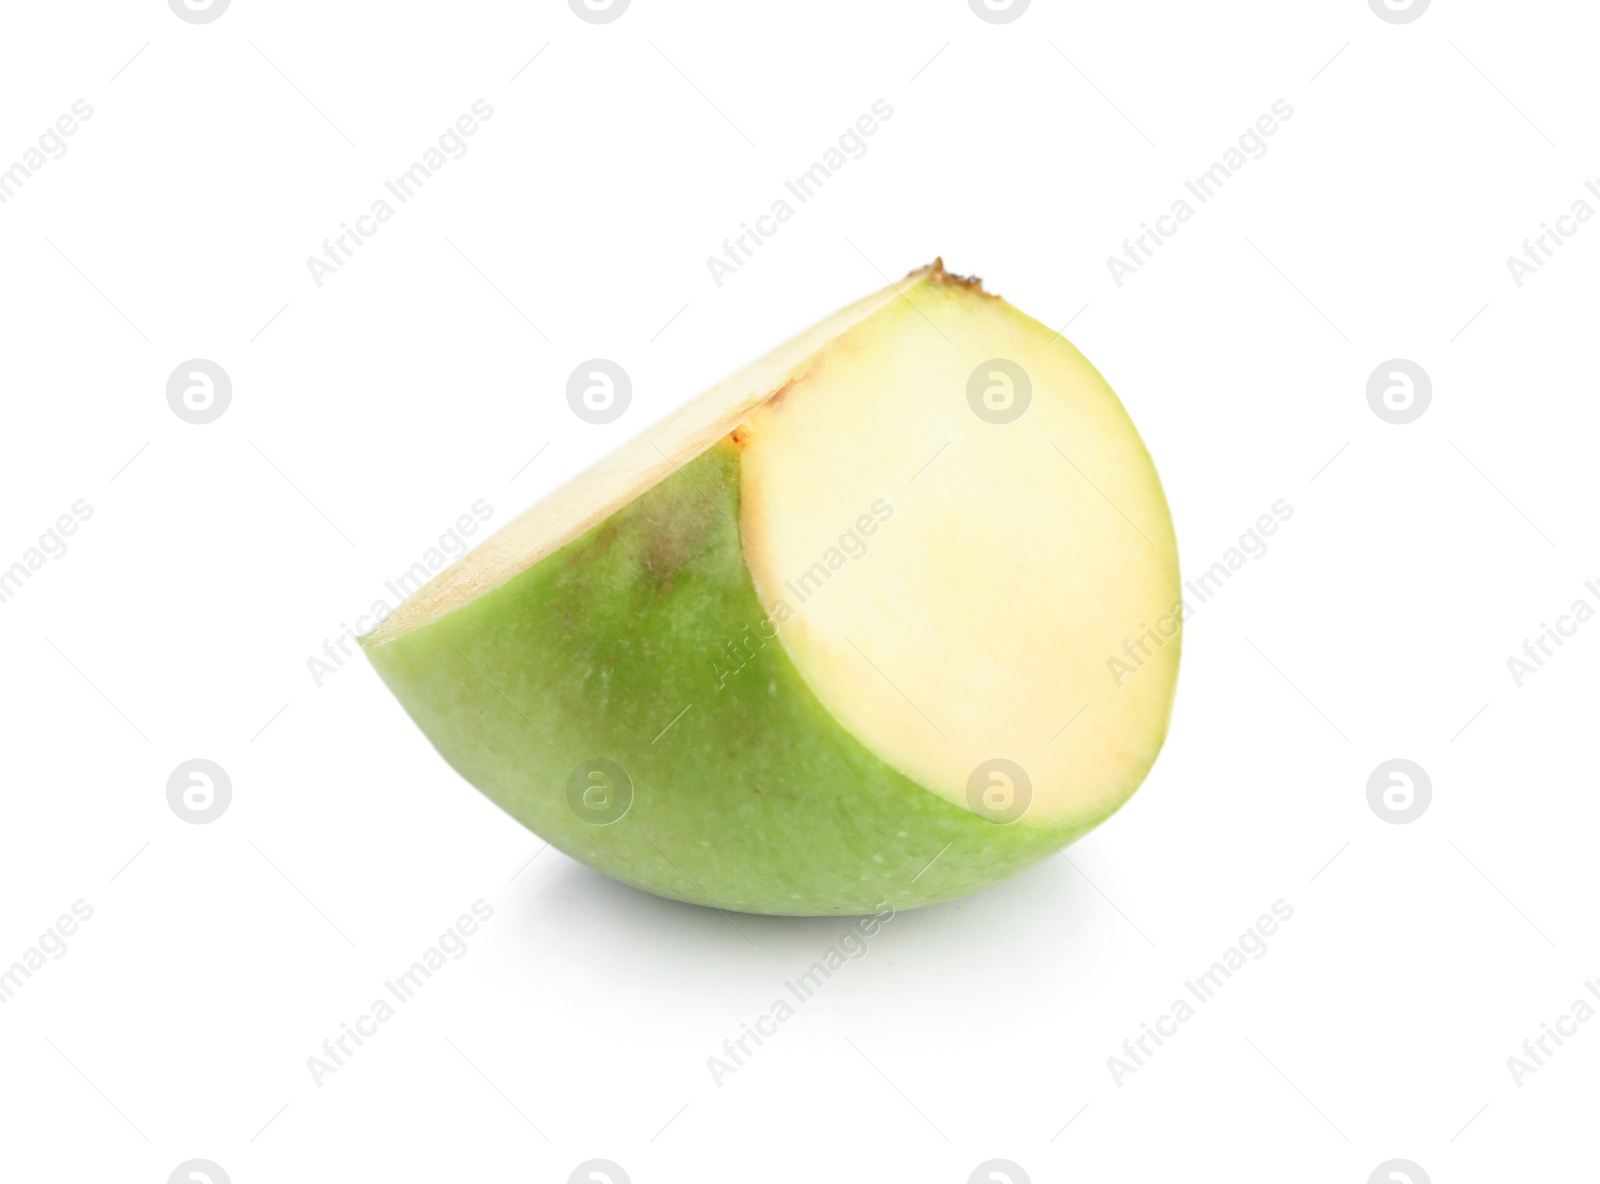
pixel 887 616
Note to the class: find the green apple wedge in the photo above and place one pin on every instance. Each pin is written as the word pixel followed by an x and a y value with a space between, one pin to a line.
pixel 882 619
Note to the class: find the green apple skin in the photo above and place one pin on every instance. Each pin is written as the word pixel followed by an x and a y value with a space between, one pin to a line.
pixel 756 799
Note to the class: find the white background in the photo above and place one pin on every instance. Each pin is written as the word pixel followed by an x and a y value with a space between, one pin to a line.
pixel 370 412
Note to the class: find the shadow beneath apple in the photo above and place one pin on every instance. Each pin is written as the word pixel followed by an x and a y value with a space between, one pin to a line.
pixel 593 925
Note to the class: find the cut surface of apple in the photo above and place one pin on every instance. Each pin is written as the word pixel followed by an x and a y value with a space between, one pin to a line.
pixel 881 619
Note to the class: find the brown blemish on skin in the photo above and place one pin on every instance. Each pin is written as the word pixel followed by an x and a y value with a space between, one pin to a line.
pixel 680 530
pixel 741 435
pixel 938 275
pixel 778 395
